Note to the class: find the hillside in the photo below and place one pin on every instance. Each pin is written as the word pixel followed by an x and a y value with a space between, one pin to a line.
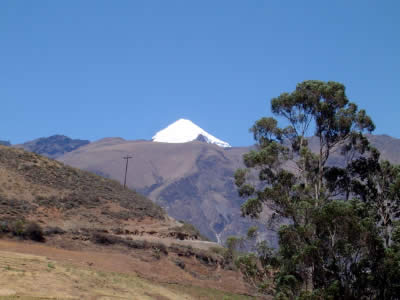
pixel 34 272
pixel 35 187
pixel 53 146
pixel 388 146
pixel 192 181
pixel 95 225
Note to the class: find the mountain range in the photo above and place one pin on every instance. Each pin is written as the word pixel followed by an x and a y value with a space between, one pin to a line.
pixel 193 181
pixel 185 170
pixel 53 146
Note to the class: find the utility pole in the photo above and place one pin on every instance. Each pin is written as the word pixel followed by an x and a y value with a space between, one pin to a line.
pixel 126 168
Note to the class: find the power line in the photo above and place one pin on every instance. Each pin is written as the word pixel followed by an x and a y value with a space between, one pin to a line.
pixel 126 168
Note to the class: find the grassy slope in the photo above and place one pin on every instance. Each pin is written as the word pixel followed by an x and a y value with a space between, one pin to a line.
pixel 51 183
pixel 32 277
pixel 36 188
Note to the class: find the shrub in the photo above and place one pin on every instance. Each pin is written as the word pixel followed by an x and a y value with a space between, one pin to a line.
pixel 17 228
pixel 34 232
pixel 4 227
pixel 156 253
pixel 108 239
pixel 104 239
pixel 54 231
pixel 51 266
pixel 188 231
pixel 180 263
pixel 160 247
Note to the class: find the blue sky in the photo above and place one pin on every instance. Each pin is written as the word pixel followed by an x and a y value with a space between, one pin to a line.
pixel 93 69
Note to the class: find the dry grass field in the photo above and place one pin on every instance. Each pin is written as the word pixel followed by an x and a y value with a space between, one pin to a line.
pixel 34 277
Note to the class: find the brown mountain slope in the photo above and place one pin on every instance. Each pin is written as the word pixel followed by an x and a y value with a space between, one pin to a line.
pixel 192 181
pixel 93 224
pixel 36 188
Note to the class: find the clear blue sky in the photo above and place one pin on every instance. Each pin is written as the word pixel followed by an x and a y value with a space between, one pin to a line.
pixel 93 69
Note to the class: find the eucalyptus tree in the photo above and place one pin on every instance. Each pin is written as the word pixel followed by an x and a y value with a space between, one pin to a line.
pixel 328 234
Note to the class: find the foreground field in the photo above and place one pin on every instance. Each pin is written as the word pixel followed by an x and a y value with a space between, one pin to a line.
pixel 32 277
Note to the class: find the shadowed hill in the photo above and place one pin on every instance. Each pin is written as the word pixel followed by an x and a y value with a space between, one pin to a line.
pixel 53 146
pixel 388 146
pixel 5 143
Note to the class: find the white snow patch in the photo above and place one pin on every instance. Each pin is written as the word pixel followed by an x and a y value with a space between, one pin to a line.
pixel 183 131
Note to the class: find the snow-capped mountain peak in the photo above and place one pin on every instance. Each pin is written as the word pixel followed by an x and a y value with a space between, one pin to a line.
pixel 183 131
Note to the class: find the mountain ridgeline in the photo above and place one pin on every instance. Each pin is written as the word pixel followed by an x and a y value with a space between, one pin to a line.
pixel 5 143
pixel 53 146
pixel 192 180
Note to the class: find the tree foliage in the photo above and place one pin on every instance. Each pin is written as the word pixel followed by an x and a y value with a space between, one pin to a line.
pixel 340 240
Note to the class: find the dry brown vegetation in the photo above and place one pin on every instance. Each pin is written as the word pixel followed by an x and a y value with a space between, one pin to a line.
pixel 120 243
pixel 78 188
pixel 36 188
pixel 192 181
pixel 60 274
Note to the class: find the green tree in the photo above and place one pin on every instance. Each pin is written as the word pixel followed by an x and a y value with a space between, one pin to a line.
pixel 333 218
pixel 378 184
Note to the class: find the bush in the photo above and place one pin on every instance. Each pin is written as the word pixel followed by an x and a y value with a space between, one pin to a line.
pixel 160 247
pixel 188 231
pixel 4 227
pixel 108 239
pixel 180 263
pixel 136 244
pixel 54 231
pixel 17 228
pixel 21 229
pixel 104 239
pixel 34 232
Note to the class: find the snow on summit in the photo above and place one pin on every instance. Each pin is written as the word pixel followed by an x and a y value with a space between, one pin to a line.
pixel 183 131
